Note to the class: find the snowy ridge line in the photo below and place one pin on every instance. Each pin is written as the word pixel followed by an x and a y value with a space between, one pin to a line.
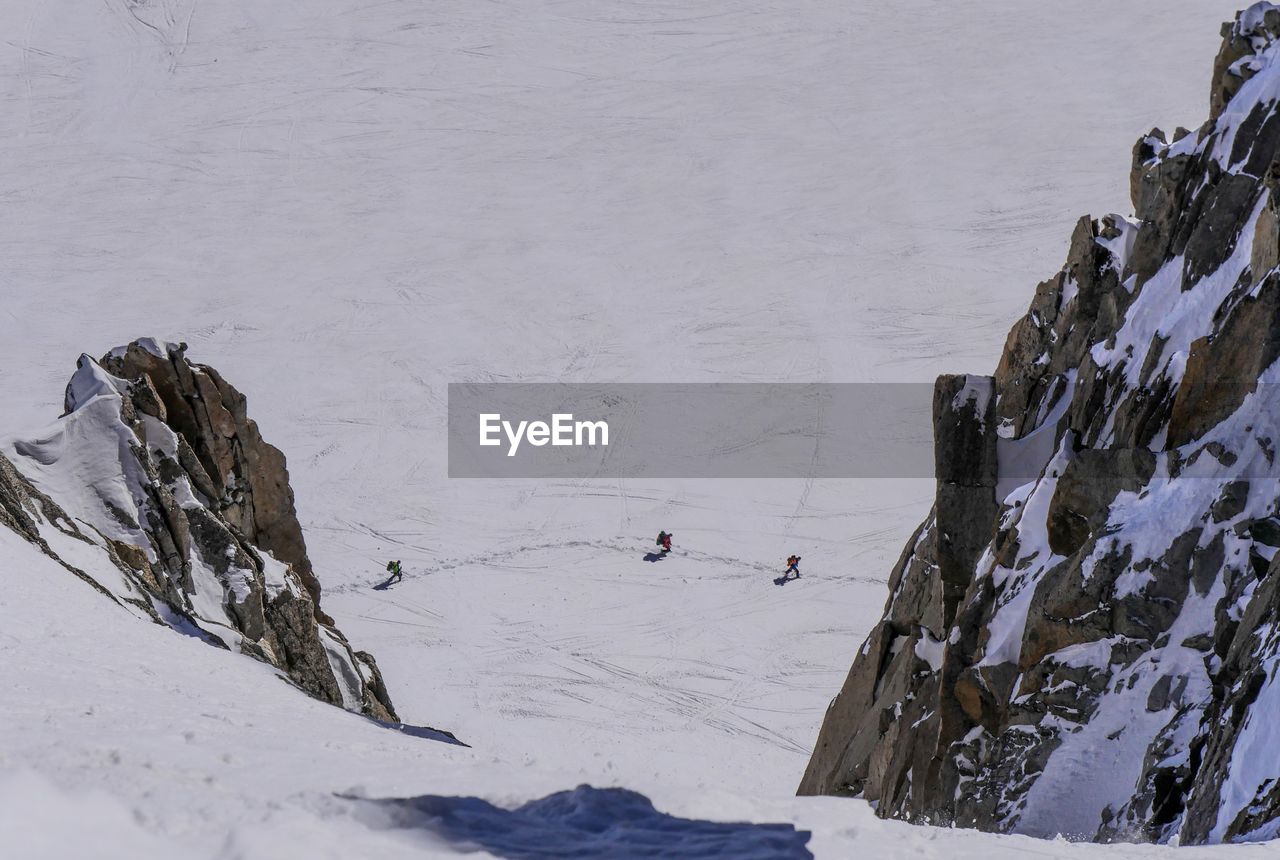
pixel 156 488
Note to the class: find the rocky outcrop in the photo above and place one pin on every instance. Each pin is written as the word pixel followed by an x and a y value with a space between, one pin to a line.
pixel 220 450
pixel 1082 638
pixel 157 488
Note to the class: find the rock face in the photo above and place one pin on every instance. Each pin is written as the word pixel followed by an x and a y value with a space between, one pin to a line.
pixel 156 488
pixel 1084 636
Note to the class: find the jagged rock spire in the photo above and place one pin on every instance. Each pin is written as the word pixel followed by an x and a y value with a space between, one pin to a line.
pixel 157 465
pixel 1092 648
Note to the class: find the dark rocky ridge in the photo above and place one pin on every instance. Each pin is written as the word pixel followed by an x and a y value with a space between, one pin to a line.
pixel 210 539
pixel 221 451
pixel 1082 637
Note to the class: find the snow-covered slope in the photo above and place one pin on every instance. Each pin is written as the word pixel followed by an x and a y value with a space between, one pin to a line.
pixel 345 206
pixel 134 742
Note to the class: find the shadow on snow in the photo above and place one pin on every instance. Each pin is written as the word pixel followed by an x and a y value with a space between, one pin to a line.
pixel 588 823
pixel 425 732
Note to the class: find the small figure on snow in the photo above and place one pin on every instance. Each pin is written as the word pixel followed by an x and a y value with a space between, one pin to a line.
pixel 397 572
pixel 664 541
pixel 793 566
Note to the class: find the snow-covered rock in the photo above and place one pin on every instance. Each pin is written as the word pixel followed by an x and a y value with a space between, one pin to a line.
pixel 1082 638
pixel 156 488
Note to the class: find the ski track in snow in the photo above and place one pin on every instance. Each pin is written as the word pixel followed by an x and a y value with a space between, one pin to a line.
pixel 345 206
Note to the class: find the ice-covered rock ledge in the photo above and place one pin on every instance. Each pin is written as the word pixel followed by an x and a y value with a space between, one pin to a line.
pixel 156 488
pixel 1084 636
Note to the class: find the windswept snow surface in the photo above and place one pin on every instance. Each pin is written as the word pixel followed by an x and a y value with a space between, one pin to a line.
pixel 124 740
pixel 345 206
